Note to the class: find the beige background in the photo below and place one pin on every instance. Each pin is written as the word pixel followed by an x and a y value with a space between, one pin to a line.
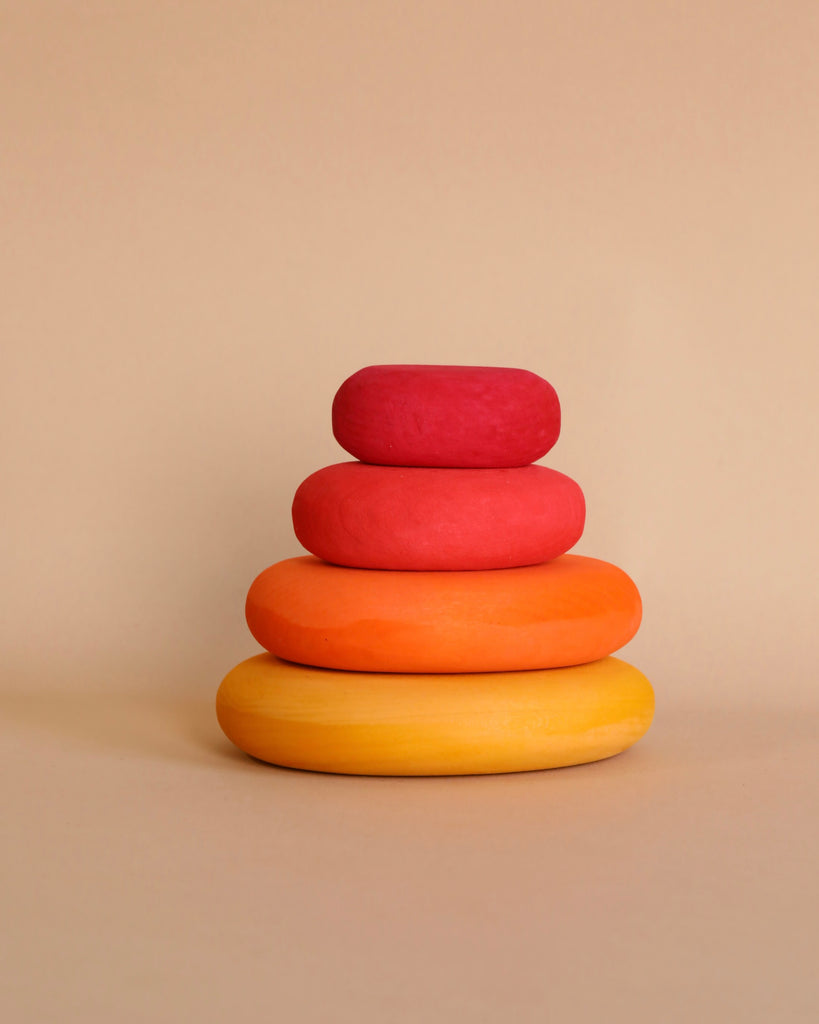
pixel 212 213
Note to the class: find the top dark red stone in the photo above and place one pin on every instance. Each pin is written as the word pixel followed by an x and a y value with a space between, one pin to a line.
pixel 453 416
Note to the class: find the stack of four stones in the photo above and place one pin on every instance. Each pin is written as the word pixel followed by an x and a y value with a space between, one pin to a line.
pixel 439 627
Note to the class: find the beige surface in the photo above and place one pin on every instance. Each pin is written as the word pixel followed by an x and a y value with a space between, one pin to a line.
pixel 212 213
pixel 162 876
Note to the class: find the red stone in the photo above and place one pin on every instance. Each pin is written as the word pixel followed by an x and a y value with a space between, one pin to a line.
pixel 391 517
pixel 450 416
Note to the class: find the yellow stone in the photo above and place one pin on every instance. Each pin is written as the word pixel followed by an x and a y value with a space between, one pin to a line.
pixel 369 723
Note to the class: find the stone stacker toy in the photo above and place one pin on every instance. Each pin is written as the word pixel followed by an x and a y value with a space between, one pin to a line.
pixel 439 627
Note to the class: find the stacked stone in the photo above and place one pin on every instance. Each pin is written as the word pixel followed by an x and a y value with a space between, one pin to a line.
pixel 439 627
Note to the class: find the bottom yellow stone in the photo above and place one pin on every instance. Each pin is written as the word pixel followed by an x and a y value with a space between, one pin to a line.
pixel 368 723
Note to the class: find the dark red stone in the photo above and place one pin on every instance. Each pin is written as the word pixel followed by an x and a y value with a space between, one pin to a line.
pixel 449 416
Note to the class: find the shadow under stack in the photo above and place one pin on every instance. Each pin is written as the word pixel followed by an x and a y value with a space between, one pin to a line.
pixel 439 627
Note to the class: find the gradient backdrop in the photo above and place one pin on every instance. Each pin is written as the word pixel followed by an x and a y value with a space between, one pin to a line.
pixel 212 213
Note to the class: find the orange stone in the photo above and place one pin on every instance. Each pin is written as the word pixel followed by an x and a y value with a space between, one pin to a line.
pixel 568 611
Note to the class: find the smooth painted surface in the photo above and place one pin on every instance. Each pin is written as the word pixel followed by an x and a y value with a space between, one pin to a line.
pixel 564 612
pixel 367 723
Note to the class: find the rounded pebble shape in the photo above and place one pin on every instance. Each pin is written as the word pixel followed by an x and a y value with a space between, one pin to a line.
pixel 368 723
pixel 478 417
pixel 391 517
pixel 565 612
